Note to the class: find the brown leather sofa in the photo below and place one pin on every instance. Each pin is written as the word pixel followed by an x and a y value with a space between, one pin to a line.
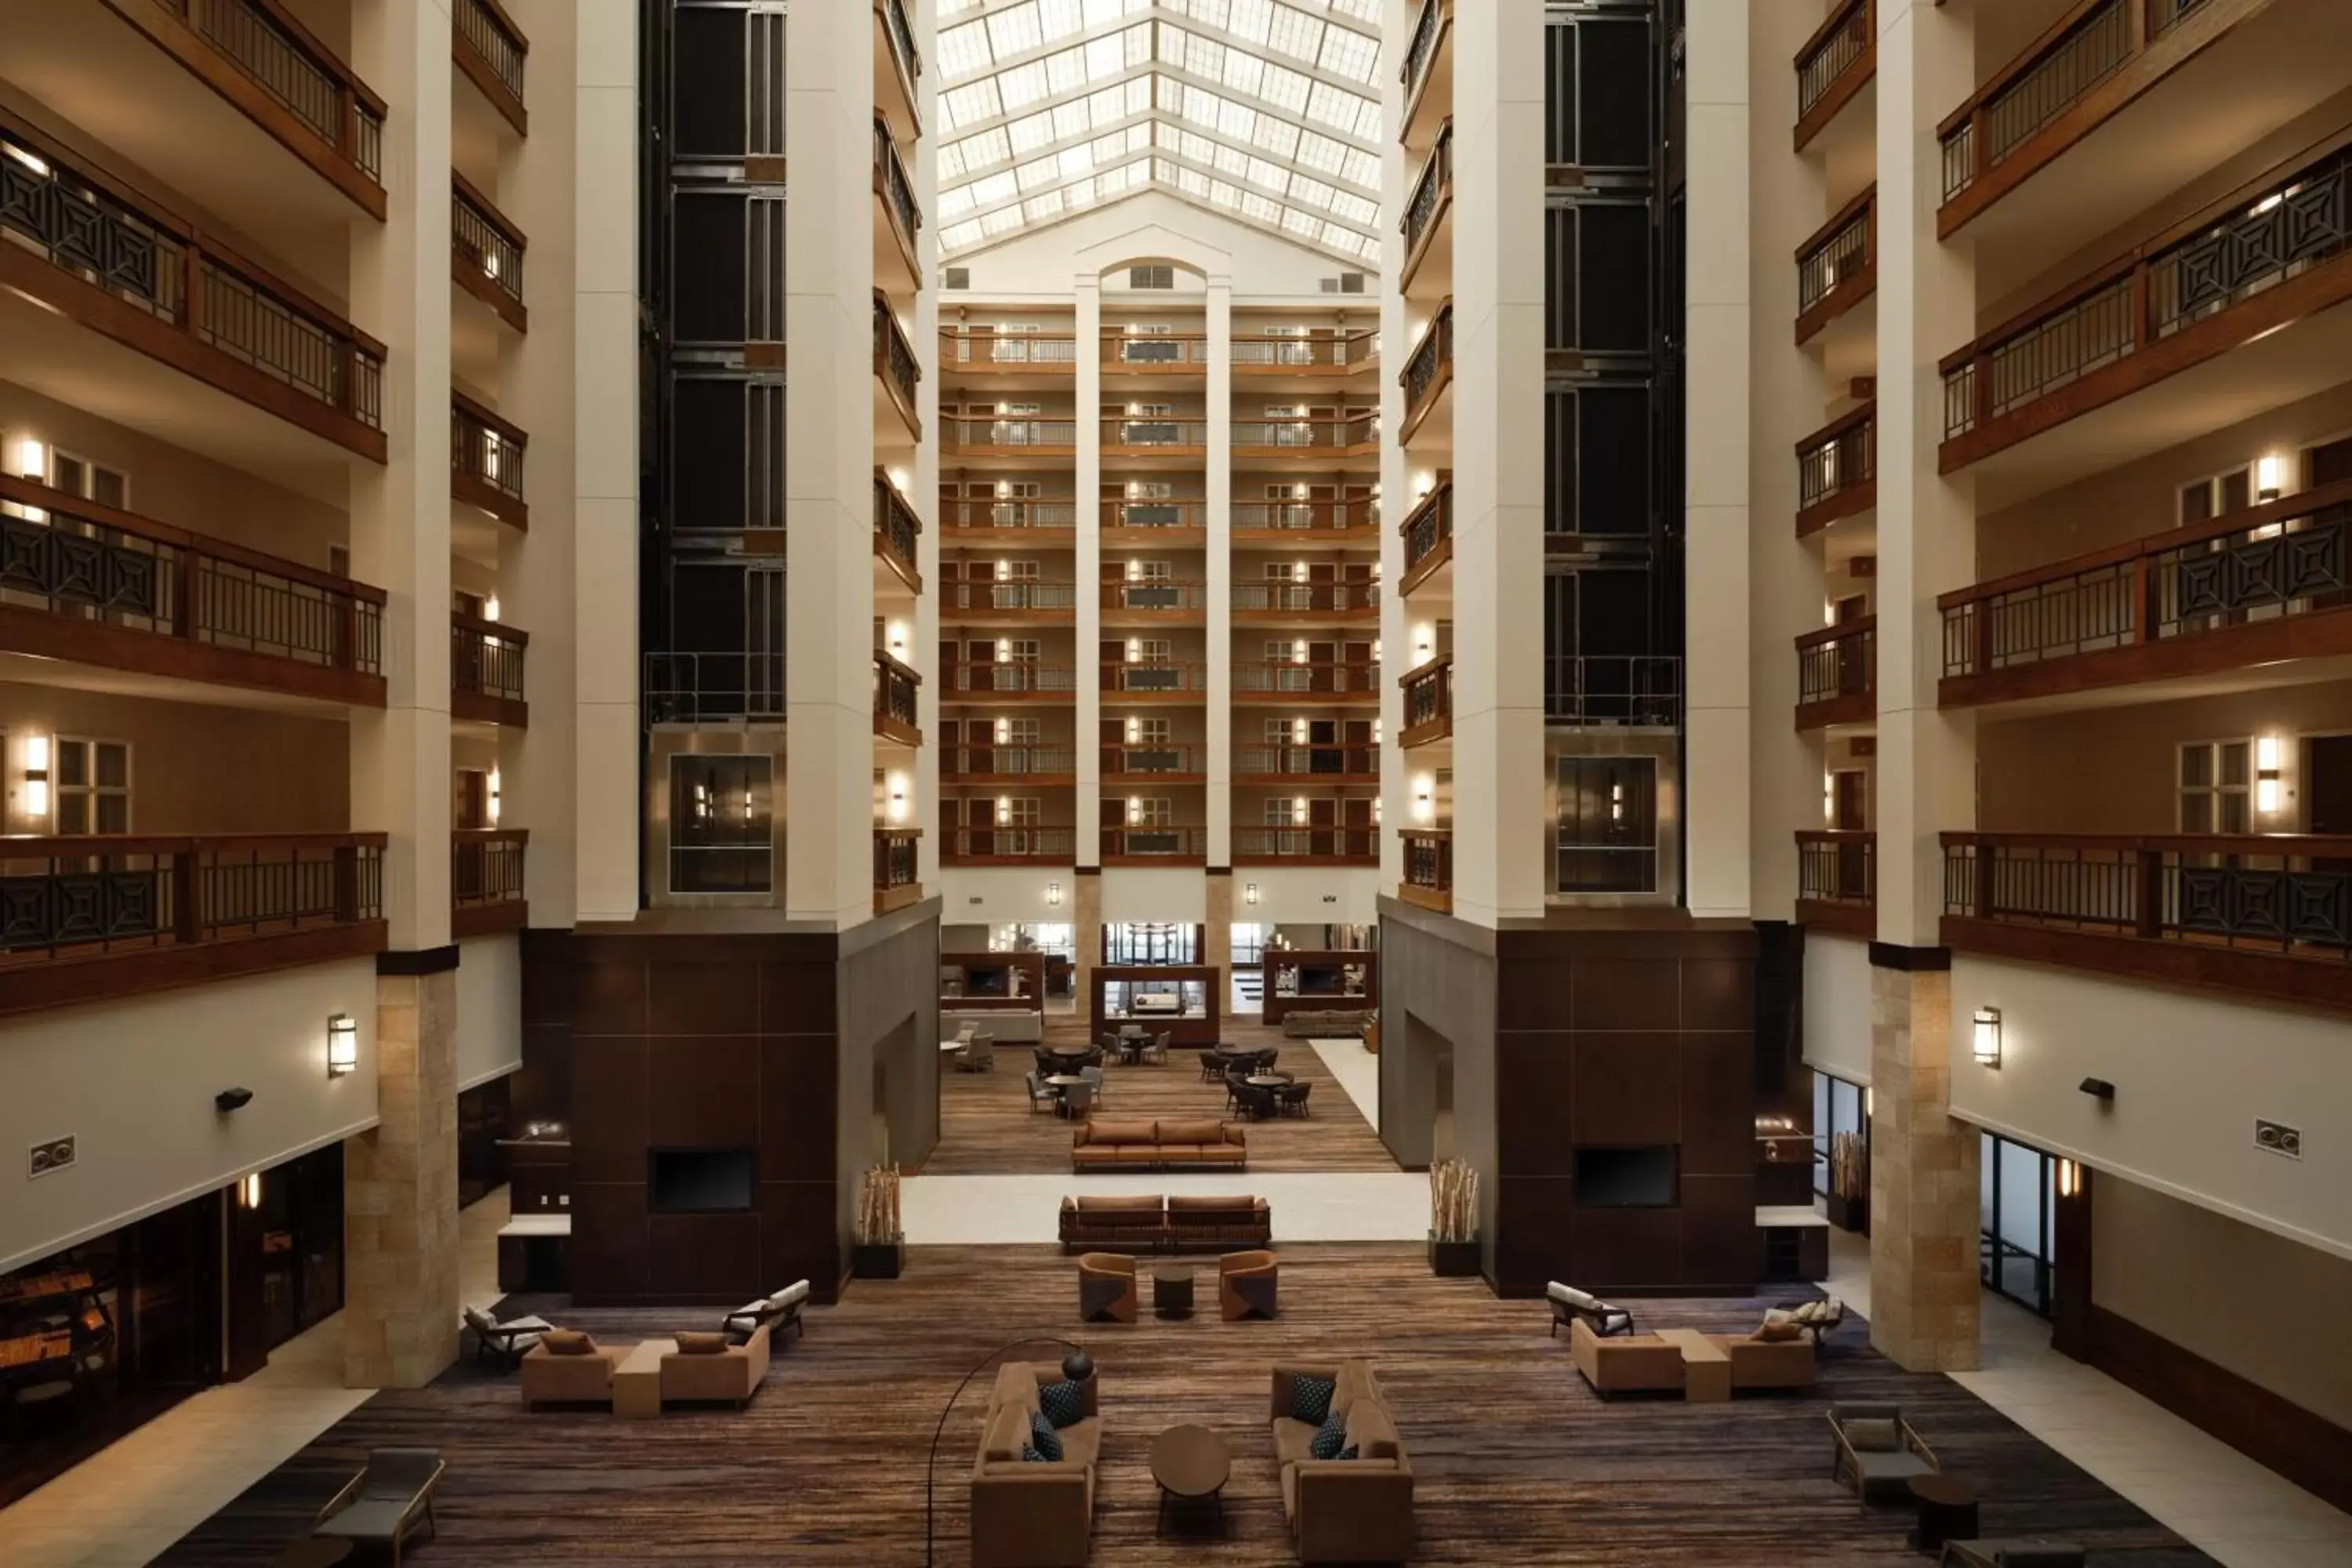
pixel 1344 1511
pixel 1033 1514
pixel 1625 1363
pixel 1106 1288
pixel 552 1377
pixel 1135 1144
pixel 1768 1363
pixel 733 1373
pixel 1154 1223
pixel 1246 1283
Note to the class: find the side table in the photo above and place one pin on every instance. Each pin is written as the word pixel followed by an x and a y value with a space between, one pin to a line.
pixel 1947 1511
pixel 1171 1292
pixel 1190 1463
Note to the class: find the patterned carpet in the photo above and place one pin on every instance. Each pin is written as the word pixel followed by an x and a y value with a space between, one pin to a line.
pixel 1517 1461
pixel 986 1128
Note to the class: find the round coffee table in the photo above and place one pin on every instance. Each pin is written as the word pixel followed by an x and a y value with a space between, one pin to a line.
pixel 317 1551
pixel 1171 1292
pixel 1947 1511
pixel 1190 1463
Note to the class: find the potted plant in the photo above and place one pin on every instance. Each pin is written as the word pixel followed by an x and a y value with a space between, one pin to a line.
pixel 1453 1219
pixel 1849 1198
pixel 880 1250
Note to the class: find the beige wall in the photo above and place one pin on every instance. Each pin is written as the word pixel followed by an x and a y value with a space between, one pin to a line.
pixel 2243 1299
pixel 293 777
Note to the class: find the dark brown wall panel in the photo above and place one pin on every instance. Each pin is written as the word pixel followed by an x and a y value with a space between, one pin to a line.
pixel 690 998
pixel 796 1101
pixel 703 1093
pixel 610 1132
pixel 1628 1088
pixel 713 1256
pixel 1717 1108
pixel 607 1250
pixel 1627 1249
pixel 1625 994
pixel 1535 1121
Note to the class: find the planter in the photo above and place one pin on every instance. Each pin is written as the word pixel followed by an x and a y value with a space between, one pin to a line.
pixel 877 1260
pixel 1849 1214
pixel 1452 1259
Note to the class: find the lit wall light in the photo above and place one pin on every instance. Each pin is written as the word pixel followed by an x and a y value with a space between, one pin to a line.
pixel 2069 1178
pixel 1003 731
pixel 492 804
pixel 1053 895
pixel 1829 800
pixel 342 1045
pixel 900 807
pixel 1424 798
pixel 2269 475
pixel 894 637
pixel 1135 809
pixel 1616 803
pixel 1004 650
pixel 1134 730
pixel 1298 811
pixel 248 1191
pixel 1249 893
pixel 490 609
pixel 1987 1037
pixel 29 459
pixel 37 777
pixel 2270 789
pixel 900 480
pixel 1869 1101
pixel 1134 651
pixel 1005 570
pixel 1003 809
pixel 1299 651
pixel 1423 483
pixel 1424 642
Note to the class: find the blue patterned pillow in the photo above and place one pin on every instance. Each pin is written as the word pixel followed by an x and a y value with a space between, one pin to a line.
pixel 1064 1404
pixel 1347 1453
pixel 1043 1438
pixel 1310 1398
pixel 1328 1438
pixel 1030 1455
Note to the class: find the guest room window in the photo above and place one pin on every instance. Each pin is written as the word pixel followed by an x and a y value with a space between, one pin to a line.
pixel 93 786
pixel 2216 786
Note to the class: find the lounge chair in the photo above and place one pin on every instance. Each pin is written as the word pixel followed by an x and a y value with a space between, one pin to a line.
pixel 505 1344
pixel 385 1502
pixel 776 1313
pixel 1874 1450
pixel 1568 1305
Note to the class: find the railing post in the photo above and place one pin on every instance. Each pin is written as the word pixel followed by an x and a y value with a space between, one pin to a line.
pixel 2147 911
pixel 1984 862
pixel 1980 383
pixel 185 564
pixel 347 885
pixel 2143 327
pixel 192 288
pixel 1981 636
pixel 2145 580
pixel 186 926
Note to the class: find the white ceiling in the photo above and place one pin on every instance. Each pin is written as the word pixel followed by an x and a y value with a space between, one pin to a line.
pixel 1267 110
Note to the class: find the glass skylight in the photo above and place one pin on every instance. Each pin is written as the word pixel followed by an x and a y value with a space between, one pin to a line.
pixel 1267 110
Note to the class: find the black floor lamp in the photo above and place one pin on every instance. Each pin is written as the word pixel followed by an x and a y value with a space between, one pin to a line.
pixel 1077 1366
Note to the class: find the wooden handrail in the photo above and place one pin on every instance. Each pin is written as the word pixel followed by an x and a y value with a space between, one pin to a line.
pixel 486 209
pixel 474 411
pixel 1838 632
pixel 2024 60
pixel 25 492
pixel 2324 845
pixel 31 846
pixel 501 630
pixel 490 834
pixel 1838 427
pixel 1831 25
pixel 905 672
pixel 1838 221
pixel 1835 835
pixel 315 49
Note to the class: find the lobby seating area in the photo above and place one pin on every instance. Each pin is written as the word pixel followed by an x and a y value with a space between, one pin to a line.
pixel 1150 1222
pixel 1033 1513
pixel 1353 1505
pixel 1696 1365
pixel 1158 1145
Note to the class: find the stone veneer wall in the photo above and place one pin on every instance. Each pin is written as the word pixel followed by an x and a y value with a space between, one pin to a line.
pixel 400 1193
pixel 1924 1290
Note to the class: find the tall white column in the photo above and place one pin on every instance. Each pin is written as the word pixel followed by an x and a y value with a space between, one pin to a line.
pixel 1715 784
pixel 1089 575
pixel 1220 578
pixel 924 488
pixel 400 512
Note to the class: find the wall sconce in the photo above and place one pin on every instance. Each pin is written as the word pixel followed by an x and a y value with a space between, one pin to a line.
pixel 1004 650
pixel 342 1045
pixel 900 480
pixel 1135 809
pixel 1053 895
pixel 1869 1101
pixel 1249 893
pixel 1987 1040
pixel 894 637
pixel 1616 803
pixel 37 777
pixel 497 789
pixel 1004 808
pixel 2269 790
pixel 2269 475
pixel 898 790
pixel 30 459
pixel 1424 642
pixel 490 609
pixel 1298 811
pixel 2069 1178
pixel 248 1190
pixel 1424 799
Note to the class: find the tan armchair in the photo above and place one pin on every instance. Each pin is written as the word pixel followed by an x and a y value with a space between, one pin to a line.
pixel 549 1378
pixel 1106 1288
pixel 1245 1285
pixel 1768 1363
pixel 1624 1364
pixel 733 1374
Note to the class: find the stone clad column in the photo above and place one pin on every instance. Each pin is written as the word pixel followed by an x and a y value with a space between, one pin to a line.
pixel 1088 642
pixel 1219 541
pixel 400 1189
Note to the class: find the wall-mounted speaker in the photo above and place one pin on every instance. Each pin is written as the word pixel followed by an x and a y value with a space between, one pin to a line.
pixel 2278 1138
pixel 2099 1089
pixel 232 1099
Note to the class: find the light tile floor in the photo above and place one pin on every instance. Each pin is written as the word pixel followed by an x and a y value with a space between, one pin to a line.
pixel 2223 1503
pixel 123 1506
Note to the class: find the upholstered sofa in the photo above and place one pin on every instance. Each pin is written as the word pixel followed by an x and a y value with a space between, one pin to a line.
pixel 1344 1511
pixel 1625 1363
pixel 1137 1144
pixel 550 1375
pixel 1033 1514
pixel 1326 1023
pixel 1106 1222
pixel 1768 1363
pixel 1008 1024
pixel 731 1373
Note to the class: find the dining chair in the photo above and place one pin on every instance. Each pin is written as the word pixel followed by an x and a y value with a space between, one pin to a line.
pixel 1041 1093
pixel 1292 1098
pixel 1212 1066
pixel 1077 1099
pixel 1156 1049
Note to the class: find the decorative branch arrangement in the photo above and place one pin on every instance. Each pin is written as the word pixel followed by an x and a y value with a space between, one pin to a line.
pixel 877 1209
pixel 1849 1165
pixel 1453 1200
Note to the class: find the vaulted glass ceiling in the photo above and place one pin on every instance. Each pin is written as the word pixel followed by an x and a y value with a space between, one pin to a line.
pixel 1266 110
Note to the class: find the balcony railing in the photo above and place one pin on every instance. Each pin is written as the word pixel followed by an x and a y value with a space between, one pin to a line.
pixel 1161 597
pixel 1306 435
pixel 1148 676
pixel 1323 351
pixel 486 251
pixel 2251 577
pixel 992 348
pixel 1429 27
pixel 1306 677
pixel 896 190
pixel 1428 370
pixel 1837 471
pixel 897 532
pixel 2266 913
pixel 1013 678
pixel 111 914
pixel 486 456
pixel 1837 674
pixel 1306 516
pixel 1358 846
pixel 1428 703
pixel 1020 844
pixel 490 50
pixel 485 880
pixel 134 592
pixel 1432 195
pixel 895 688
pixel 1155 514
pixel 127 267
pixel 1360 762
pixel 714 687
pixel 1838 266
pixel 904 53
pixel 1008 598
pixel 485 661
pixel 1428 528
pixel 1148 841
pixel 1428 868
pixel 1148 433
pixel 1007 762
pixel 963 431
pixel 2089 44
pixel 1643 690
pixel 894 869
pixel 1306 598
pixel 274 51
pixel 1047 512
pixel 1153 761
pixel 1837 881
pixel 895 364
pixel 1155 351
pixel 1844 43
pixel 2168 287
